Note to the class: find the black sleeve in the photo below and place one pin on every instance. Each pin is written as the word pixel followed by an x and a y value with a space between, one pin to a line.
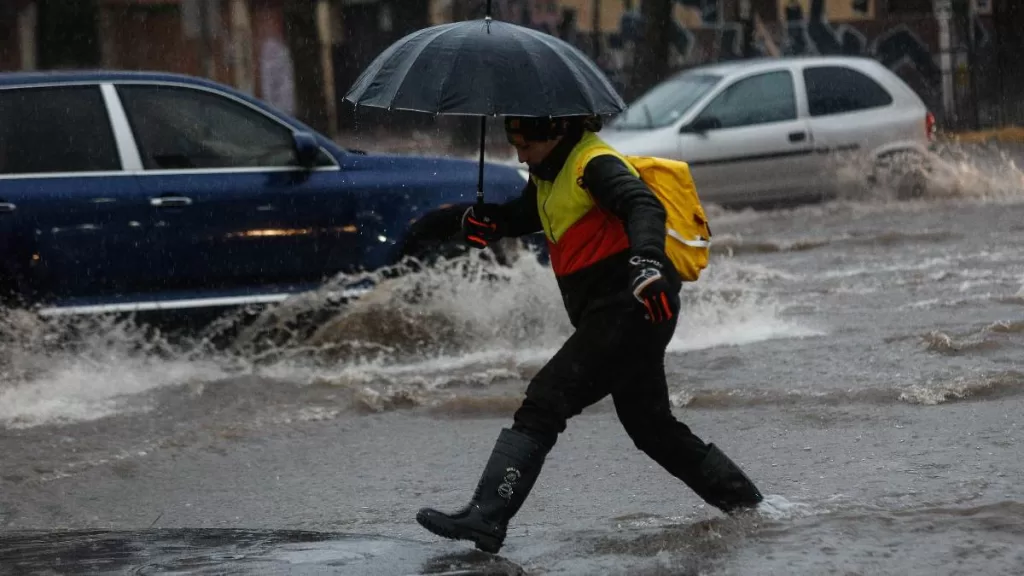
pixel 520 216
pixel 616 189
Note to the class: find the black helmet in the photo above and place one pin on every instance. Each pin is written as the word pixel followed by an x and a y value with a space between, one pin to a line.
pixel 540 128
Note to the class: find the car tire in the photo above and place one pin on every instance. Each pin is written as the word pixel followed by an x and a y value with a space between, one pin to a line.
pixel 911 186
pixel 903 173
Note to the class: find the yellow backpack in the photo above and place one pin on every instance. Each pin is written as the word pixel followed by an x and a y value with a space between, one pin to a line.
pixel 688 235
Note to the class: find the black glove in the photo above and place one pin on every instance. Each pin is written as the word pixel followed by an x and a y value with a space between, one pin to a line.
pixel 650 288
pixel 481 224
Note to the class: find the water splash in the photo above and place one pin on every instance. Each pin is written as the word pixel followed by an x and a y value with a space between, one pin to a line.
pixel 999 384
pixel 428 337
pixel 730 306
pixel 951 171
pixel 777 507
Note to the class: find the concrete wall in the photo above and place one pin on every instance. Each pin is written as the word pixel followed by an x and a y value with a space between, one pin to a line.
pixel 10 55
pixel 900 34
pixel 245 45
pixel 249 44
pixel 18 21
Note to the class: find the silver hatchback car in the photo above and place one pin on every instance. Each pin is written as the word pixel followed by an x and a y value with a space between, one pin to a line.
pixel 778 131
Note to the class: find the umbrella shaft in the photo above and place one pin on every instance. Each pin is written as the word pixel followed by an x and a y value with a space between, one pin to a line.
pixel 480 176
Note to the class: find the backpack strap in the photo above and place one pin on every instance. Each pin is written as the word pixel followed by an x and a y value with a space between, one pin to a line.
pixel 584 159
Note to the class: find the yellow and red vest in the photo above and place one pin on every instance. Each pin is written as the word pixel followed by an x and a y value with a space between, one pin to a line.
pixel 578 231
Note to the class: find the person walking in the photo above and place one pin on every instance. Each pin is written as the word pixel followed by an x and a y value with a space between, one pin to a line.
pixel 605 232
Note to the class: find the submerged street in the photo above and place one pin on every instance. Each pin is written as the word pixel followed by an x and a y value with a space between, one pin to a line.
pixel 860 359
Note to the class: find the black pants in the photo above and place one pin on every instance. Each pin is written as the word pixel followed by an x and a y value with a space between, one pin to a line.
pixel 616 351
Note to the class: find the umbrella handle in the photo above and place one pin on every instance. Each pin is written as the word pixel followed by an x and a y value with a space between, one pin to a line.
pixel 480 176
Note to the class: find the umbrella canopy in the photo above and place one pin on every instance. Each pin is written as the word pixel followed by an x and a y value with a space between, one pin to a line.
pixel 485 68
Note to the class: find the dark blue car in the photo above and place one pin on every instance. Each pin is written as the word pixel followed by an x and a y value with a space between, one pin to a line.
pixel 124 191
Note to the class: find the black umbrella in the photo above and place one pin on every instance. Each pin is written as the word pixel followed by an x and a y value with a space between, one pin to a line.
pixel 485 68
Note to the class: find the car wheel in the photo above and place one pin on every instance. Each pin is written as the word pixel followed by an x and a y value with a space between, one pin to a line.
pixel 912 185
pixel 904 174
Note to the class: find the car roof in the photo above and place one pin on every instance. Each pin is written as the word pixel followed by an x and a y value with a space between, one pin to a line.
pixel 733 67
pixel 52 77
pixel 64 77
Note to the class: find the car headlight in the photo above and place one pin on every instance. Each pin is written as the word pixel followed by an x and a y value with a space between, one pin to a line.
pixel 524 173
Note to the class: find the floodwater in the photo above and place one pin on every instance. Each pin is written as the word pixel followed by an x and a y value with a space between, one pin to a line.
pixel 860 359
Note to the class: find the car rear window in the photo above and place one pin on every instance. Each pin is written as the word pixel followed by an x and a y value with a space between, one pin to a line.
pixel 55 129
pixel 838 89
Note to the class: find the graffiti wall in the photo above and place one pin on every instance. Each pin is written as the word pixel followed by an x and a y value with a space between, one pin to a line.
pixel 702 31
pixel 836 10
pixel 848 27
pixel 610 30
pixel 907 46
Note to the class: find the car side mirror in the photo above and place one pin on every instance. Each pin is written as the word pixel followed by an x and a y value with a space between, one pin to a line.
pixel 702 125
pixel 307 149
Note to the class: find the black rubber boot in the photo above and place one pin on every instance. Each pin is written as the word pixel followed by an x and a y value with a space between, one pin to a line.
pixel 724 485
pixel 507 479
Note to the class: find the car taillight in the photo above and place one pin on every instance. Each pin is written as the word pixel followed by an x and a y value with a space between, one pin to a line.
pixel 929 126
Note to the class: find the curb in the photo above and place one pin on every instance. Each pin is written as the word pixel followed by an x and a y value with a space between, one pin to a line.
pixel 1005 134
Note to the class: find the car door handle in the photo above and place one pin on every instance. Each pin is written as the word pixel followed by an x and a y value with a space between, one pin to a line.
pixel 797 136
pixel 170 201
pixel 7 207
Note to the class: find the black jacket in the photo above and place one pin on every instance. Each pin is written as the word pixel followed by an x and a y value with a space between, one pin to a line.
pixel 615 188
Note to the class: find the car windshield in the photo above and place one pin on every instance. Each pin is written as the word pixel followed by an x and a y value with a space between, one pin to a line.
pixel 665 103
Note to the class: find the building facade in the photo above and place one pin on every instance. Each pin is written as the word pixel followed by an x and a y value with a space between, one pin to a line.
pixel 301 55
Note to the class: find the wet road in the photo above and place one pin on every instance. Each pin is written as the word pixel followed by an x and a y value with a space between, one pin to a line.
pixel 861 360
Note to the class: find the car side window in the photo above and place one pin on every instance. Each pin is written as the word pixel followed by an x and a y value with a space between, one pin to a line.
pixel 179 128
pixel 45 130
pixel 838 89
pixel 759 99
